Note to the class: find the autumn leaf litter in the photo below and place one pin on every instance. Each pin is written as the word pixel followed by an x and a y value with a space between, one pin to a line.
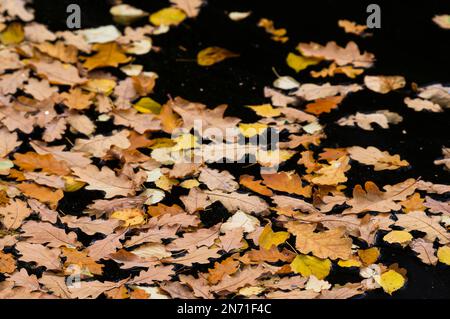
pixel 283 232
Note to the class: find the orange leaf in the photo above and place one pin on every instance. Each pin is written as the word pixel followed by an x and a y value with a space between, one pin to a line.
pixel 254 185
pixel 47 163
pixel 324 105
pixel 42 193
pixel 288 182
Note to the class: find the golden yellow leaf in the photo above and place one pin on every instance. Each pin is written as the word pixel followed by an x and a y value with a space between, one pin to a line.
pixel 13 34
pixel 131 216
pixel 252 129
pixel 265 110
pixel 213 55
pixel 185 142
pixel 443 254
pixel 369 256
pixel 334 173
pixel 413 203
pixel 278 35
pixel 391 281
pixel 168 17
pixel 166 183
pixel 71 184
pixel 298 62
pixel 147 105
pixel 398 237
pixel 269 238
pixel 310 265
pixel 349 263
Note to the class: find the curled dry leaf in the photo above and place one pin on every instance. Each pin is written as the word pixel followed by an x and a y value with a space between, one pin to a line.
pixel 384 84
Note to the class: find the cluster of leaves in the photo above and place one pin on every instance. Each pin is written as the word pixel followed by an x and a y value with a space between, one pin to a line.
pixel 285 231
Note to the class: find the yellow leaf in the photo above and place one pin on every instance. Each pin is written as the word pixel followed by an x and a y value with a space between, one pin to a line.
pixel 269 238
pixel 213 55
pixel 398 237
pixel 185 142
pixel 190 183
pixel 334 173
pixel 369 256
pixel 310 265
pixel 250 130
pixel 108 55
pixel 131 216
pixel 105 86
pixel 168 17
pixel 349 263
pixel 265 110
pixel 166 183
pixel 162 142
pixel 391 281
pixel 148 105
pixel 298 62
pixel 443 254
pixel 71 184
pixel 273 157
pixel 13 34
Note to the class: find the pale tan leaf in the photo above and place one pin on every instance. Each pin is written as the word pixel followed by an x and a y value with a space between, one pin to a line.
pixel 14 214
pixel 45 233
pixel 105 180
pixel 41 255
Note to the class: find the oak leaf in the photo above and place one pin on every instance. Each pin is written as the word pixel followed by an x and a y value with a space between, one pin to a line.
pixel 288 182
pixel 254 185
pixel 342 56
pixel 190 7
pixel 237 201
pixel 216 180
pixel 331 244
pixel 332 174
pixel 7 263
pixel 42 193
pixel 425 251
pixel 99 145
pixel 105 180
pixel 384 84
pixel 383 118
pixel 372 199
pixel 14 214
pixel 324 105
pixel 31 161
pixel 198 256
pixel 45 233
pixel 104 247
pixel 89 226
pixel 429 225
pixel 108 55
pixel 373 156
pixel 41 255
pixel 58 73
